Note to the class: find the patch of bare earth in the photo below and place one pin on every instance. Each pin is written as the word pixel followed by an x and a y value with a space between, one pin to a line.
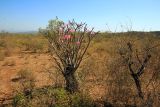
pixel 37 63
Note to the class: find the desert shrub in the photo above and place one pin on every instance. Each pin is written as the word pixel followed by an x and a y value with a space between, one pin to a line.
pixel 19 100
pixel 55 76
pixel 32 44
pixel 49 96
pixel 68 44
pixel 121 86
pixel 52 97
pixel 64 99
pixel 26 81
pixel 24 90
pixel 81 100
pixel 102 37
pixel 61 98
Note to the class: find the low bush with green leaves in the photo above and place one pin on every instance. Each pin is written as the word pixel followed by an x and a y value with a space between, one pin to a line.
pixel 52 97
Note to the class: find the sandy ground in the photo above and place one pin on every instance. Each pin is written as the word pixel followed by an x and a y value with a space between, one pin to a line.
pixel 37 63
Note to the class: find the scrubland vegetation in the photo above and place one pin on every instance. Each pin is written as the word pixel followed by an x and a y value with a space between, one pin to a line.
pixel 117 70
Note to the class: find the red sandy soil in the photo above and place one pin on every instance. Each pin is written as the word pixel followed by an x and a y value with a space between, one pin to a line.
pixel 37 63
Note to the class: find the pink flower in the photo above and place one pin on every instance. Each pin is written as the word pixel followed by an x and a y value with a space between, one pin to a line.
pixel 67 37
pixel 92 33
pixel 78 43
pixel 71 30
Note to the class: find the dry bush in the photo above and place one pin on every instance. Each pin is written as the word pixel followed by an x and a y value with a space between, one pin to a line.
pixel 26 82
pixel 102 66
pixel 121 87
pixel 31 44
pixel 14 43
pixel 55 76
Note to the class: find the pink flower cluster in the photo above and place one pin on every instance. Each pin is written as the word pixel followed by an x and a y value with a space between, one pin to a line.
pixel 78 42
pixel 92 33
pixel 67 33
pixel 71 31
pixel 67 37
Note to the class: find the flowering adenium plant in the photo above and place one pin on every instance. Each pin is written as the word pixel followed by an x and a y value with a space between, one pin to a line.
pixel 68 44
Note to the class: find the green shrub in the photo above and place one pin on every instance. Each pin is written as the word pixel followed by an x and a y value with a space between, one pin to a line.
pixel 19 100
pixel 61 98
pixel 81 100
pixel 52 97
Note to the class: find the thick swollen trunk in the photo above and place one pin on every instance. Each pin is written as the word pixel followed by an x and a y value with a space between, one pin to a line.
pixel 138 85
pixel 71 83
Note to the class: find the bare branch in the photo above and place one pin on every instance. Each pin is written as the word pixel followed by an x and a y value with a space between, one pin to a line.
pixel 141 69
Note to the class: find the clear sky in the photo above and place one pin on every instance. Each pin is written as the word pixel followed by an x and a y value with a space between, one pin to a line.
pixel 29 15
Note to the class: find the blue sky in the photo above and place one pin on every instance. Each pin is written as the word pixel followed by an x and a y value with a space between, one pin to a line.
pixel 29 15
